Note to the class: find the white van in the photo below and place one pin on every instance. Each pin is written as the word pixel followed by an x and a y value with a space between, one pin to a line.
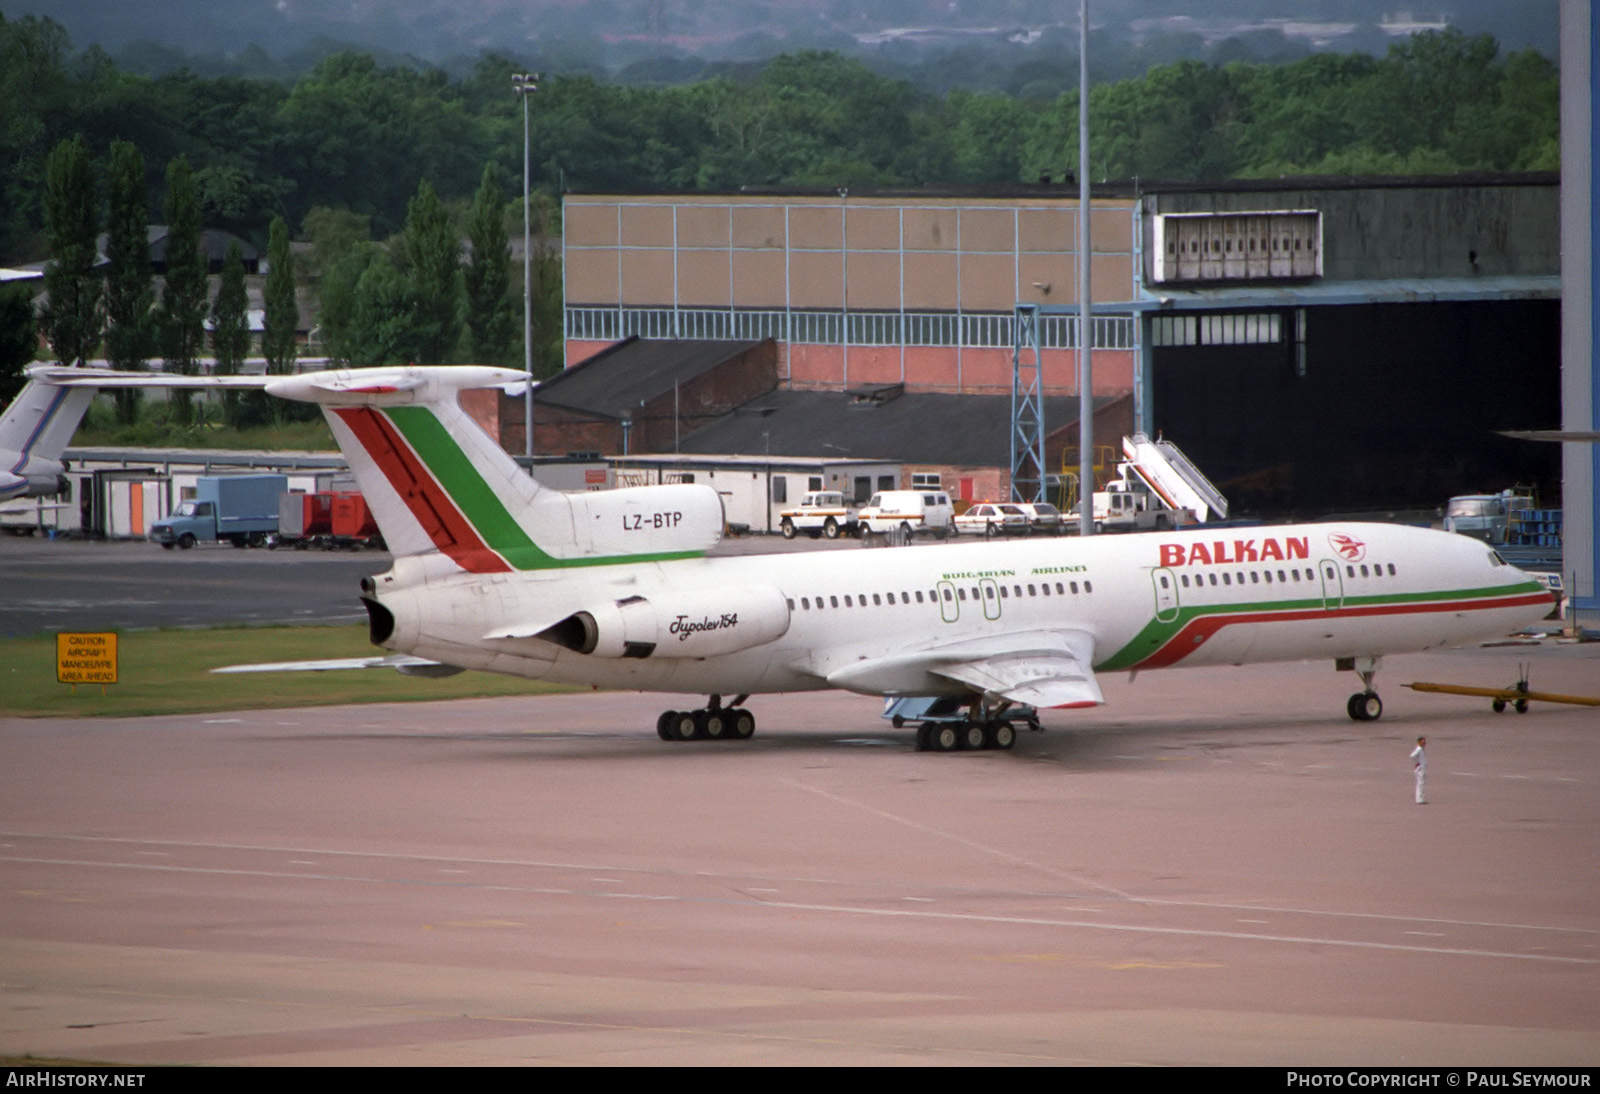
pixel 909 512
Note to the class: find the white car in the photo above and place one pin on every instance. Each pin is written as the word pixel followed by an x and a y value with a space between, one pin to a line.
pixel 1043 517
pixel 989 518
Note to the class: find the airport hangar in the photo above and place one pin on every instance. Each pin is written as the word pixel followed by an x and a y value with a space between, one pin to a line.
pixel 1316 345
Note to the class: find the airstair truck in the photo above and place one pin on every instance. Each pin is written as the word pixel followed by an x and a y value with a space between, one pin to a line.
pixel 1156 488
pixel 237 509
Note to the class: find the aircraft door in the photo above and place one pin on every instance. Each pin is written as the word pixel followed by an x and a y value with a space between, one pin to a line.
pixel 991 598
pixel 949 607
pixel 1166 587
pixel 1332 585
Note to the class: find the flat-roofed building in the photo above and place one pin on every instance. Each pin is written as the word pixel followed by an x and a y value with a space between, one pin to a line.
pixel 909 288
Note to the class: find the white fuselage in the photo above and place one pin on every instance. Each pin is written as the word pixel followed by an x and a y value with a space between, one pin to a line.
pixel 1227 596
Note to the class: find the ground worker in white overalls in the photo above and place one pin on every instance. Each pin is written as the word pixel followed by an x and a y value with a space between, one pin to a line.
pixel 1419 764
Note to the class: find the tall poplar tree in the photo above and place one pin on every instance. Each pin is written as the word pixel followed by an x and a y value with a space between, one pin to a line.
pixel 72 317
pixel 488 276
pixel 183 296
pixel 130 326
pixel 432 257
pixel 282 314
pixel 230 328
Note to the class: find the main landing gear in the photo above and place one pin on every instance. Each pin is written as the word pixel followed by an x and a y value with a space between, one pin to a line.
pixel 981 728
pixel 711 722
pixel 1364 705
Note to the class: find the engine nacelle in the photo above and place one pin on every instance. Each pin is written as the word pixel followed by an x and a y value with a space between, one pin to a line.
pixel 693 623
pixel 36 478
pixel 648 520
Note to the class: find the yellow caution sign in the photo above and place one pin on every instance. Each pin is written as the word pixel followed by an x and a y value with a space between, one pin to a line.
pixel 86 658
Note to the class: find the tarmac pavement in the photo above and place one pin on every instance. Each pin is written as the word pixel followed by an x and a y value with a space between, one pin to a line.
pixel 1217 866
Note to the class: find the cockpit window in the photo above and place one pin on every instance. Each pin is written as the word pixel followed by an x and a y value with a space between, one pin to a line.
pixel 1496 560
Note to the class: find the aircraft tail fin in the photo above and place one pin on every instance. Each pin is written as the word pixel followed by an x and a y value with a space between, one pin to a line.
pixel 34 431
pixel 438 484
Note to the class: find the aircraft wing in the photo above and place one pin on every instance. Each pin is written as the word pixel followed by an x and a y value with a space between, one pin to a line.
pixel 1582 436
pixel 1037 668
pixel 403 663
pixel 78 376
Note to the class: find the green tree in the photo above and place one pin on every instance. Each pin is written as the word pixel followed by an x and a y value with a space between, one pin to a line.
pixel 72 318
pixel 383 327
pixel 336 293
pixel 230 328
pixel 35 89
pixel 19 337
pixel 130 326
pixel 332 233
pixel 183 294
pixel 432 256
pixel 549 345
pixel 282 310
pixel 488 276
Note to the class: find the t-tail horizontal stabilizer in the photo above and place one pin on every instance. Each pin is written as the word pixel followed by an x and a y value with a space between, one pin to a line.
pixel 439 485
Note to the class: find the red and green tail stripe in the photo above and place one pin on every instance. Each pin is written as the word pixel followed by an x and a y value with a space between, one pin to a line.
pixel 449 497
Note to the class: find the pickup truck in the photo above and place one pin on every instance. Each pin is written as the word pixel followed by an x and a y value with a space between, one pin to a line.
pixel 821 513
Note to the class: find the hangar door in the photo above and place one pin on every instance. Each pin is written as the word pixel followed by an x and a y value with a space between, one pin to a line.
pixel 1319 410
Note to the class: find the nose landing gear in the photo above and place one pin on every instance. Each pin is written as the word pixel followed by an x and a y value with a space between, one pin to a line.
pixel 1364 705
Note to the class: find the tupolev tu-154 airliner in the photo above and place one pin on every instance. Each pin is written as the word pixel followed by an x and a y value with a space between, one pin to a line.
pixel 614 589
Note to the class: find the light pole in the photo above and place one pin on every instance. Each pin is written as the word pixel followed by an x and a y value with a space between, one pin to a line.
pixel 525 84
pixel 1085 296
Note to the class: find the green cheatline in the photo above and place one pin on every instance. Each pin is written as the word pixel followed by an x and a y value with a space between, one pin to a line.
pixel 1157 633
pixel 167 672
pixel 481 506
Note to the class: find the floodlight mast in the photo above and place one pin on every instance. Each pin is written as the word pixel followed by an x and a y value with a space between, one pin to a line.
pixel 1085 331
pixel 525 84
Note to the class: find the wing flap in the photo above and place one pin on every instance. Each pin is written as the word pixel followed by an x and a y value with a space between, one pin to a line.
pixel 1040 669
pixel 1048 670
pixel 1034 679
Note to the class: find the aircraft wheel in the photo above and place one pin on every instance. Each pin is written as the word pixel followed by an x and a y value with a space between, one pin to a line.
pixel 925 738
pixel 709 723
pixel 830 528
pixel 186 540
pixel 1520 706
pixel 681 725
pixel 1498 706
pixel 945 738
pixel 787 528
pixel 741 724
pixel 1365 706
pixel 664 724
pixel 1000 735
pixel 974 737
